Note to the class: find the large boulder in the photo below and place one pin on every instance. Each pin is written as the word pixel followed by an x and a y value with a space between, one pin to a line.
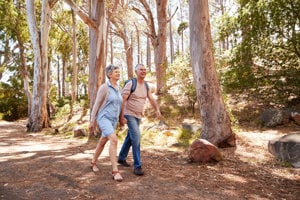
pixel 203 151
pixel 286 148
pixel 274 117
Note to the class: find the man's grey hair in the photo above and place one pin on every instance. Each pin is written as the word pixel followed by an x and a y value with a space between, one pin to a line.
pixel 137 67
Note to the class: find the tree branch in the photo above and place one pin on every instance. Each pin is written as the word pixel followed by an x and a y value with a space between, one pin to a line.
pixel 83 16
pixel 168 20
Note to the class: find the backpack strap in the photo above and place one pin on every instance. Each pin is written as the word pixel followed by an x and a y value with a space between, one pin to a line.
pixel 147 86
pixel 134 84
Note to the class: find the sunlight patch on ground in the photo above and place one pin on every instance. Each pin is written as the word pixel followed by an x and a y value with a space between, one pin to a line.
pixel 282 173
pixel 234 178
pixel 16 157
pixel 31 146
pixel 79 156
pixel 254 147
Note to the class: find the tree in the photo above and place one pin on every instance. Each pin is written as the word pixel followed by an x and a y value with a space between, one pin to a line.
pixel 157 38
pixel 38 116
pixel 97 48
pixel 13 26
pixel 74 61
pixel 216 125
pixel 121 29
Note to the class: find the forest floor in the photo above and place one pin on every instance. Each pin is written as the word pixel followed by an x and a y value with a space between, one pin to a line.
pixel 41 166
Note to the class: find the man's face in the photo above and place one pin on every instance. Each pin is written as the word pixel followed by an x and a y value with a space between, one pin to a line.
pixel 141 71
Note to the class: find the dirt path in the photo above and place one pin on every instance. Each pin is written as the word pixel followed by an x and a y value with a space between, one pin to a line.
pixel 36 166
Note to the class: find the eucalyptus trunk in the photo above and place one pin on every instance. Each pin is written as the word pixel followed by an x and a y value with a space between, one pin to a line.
pixel 216 125
pixel 148 54
pixel 97 49
pixel 24 73
pixel 74 61
pixel 38 116
pixel 160 57
pixel 97 44
pixel 158 39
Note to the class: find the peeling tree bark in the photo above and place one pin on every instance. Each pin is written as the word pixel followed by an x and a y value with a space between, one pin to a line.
pixel 38 116
pixel 216 125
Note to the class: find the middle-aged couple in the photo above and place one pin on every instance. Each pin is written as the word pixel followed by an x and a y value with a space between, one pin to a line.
pixel 112 105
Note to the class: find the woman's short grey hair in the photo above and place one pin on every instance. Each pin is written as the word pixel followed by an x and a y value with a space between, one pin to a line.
pixel 109 69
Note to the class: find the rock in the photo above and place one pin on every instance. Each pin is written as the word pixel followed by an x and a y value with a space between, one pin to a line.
pixel 296 117
pixel 194 128
pixel 78 131
pixel 286 148
pixel 274 117
pixel 202 150
pixel 191 125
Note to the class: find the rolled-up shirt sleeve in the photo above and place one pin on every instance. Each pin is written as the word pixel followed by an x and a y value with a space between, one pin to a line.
pixel 127 88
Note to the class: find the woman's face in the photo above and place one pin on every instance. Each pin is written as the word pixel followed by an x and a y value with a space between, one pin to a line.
pixel 115 74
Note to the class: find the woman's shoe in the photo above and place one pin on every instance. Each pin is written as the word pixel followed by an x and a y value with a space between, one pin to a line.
pixel 117 176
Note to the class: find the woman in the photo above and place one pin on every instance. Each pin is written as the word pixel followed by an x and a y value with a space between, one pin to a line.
pixel 105 114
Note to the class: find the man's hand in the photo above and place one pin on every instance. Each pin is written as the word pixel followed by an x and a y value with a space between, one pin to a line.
pixel 158 114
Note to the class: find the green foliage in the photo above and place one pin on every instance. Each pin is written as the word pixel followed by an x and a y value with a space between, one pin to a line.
pixel 182 26
pixel 62 101
pixel 63 106
pixel 186 137
pixel 148 137
pixel 13 102
pixel 265 57
pixel 181 82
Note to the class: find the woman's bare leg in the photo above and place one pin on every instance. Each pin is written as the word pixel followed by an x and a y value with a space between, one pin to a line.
pixel 99 148
pixel 113 156
pixel 113 151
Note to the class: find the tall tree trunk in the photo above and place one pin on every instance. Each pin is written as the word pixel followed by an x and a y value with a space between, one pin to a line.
pixel 64 72
pixel 97 49
pixel 38 117
pixel 181 35
pixel 160 56
pixel 129 55
pixel 148 56
pixel 158 40
pixel 126 36
pixel 97 44
pixel 58 78
pixel 138 44
pixel 24 73
pixel 23 67
pixel 216 126
pixel 111 47
pixel 171 38
pixel 74 61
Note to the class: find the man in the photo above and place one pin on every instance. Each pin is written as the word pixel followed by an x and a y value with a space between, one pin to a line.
pixel 132 112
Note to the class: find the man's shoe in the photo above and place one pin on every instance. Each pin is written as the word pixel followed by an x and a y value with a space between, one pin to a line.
pixel 138 171
pixel 124 163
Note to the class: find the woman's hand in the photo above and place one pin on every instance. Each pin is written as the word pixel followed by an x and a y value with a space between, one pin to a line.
pixel 91 127
pixel 123 121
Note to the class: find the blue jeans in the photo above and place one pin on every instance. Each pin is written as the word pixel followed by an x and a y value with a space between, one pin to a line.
pixel 133 139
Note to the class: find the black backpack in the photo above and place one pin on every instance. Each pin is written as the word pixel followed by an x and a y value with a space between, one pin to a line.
pixel 133 86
